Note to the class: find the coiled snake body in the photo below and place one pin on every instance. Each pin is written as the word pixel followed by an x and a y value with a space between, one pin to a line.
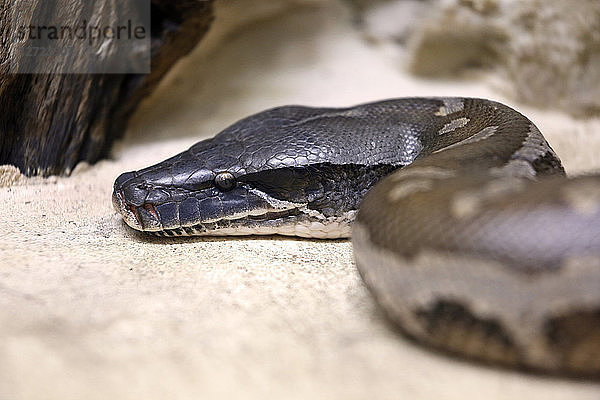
pixel 477 244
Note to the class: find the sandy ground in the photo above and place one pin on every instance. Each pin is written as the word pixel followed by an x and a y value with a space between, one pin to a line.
pixel 90 309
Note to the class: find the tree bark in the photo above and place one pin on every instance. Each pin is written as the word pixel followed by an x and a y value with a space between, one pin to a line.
pixel 49 122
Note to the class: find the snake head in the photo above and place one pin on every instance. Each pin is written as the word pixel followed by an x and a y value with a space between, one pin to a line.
pixel 177 197
pixel 283 171
pixel 187 195
pixel 180 193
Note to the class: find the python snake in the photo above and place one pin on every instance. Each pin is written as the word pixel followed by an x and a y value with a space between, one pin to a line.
pixel 477 244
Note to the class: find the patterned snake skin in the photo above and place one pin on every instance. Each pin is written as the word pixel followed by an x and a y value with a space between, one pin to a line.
pixel 477 244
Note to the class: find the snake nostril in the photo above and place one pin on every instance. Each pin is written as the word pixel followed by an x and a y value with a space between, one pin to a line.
pixel 134 194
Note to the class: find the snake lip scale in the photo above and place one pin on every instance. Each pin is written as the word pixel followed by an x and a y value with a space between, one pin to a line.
pixel 463 223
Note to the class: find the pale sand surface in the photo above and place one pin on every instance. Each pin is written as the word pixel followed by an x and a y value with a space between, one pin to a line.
pixel 90 309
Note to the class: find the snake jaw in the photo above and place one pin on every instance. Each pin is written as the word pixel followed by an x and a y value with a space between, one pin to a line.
pixel 299 222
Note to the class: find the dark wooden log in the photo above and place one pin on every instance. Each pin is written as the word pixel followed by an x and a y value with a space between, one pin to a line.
pixel 49 122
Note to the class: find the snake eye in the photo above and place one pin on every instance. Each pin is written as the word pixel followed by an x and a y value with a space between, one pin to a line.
pixel 225 181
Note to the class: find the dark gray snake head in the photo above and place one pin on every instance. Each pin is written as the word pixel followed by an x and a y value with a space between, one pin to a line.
pixel 290 170
pixel 176 197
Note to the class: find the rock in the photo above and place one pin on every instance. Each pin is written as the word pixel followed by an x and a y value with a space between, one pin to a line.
pixel 547 51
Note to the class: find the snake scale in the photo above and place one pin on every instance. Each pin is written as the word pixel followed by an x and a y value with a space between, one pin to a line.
pixel 464 225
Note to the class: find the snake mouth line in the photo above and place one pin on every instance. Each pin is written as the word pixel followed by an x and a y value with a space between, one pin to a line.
pixel 147 218
pixel 213 228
